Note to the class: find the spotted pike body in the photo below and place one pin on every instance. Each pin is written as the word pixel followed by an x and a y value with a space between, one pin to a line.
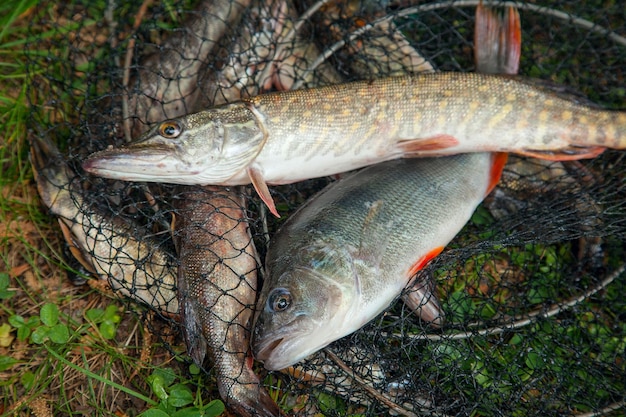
pixel 290 136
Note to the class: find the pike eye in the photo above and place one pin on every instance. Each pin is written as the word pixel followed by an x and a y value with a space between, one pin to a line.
pixel 279 300
pixel 170 129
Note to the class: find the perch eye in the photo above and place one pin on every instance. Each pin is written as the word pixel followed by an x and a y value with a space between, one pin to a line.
pixel 279 301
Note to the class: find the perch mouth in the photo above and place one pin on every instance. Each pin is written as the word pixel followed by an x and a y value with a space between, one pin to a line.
pixel 265 351
pixel 284 347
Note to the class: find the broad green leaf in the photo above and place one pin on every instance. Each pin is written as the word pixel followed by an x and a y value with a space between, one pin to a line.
pixel 17 321
pixel 157 383
pixel 108 329
pixel 94 314
pixel 39 335
pixel 7 362
pixel 112 314
pixel 180 396
pixel 23 333
pixel 59 333
pixel 194 369
pixel 189 412
pixel 154 412
pixel 49 314
pixel 167 374
pixel 214 408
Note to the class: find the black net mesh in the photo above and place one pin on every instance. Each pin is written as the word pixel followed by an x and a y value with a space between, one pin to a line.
pixel 532 287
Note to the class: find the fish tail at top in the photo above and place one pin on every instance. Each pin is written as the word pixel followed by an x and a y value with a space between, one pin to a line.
pixel 498 40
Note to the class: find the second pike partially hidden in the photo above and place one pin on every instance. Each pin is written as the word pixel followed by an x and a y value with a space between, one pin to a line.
pixel 133 262
pixel 289 136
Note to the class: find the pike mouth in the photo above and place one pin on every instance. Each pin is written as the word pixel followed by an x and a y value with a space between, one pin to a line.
pixel 136 166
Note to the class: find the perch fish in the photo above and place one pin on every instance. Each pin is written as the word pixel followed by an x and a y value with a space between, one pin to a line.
pixel 285 137
pixel 345 255
pixel 106 245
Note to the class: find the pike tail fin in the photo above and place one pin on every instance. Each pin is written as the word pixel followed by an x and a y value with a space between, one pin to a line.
pixel 498 47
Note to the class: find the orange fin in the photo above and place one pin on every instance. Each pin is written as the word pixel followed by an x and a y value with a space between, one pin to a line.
pixel 569 154
pixel 418 146
pixel 256 176
pixel 423 261
pixel 498 161
pixel 497 40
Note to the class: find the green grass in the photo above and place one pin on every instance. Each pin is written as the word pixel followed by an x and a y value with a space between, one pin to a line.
pixel 70 350
pixel 66 350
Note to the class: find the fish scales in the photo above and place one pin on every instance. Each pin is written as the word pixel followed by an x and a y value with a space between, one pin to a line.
pixel 345 255
pixel 284 137
pixel 217 284
pixel 340 216
pixel 469 107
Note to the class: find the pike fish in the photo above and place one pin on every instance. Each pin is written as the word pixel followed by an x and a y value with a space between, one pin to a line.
pixel 285 137
pixel 217 280
pixel 345 255
pixel 122 252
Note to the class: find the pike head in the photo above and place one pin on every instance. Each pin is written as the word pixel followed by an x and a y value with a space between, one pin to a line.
pixel 213 146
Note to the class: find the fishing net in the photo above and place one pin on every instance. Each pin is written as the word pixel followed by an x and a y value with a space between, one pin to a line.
pixel 532 287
